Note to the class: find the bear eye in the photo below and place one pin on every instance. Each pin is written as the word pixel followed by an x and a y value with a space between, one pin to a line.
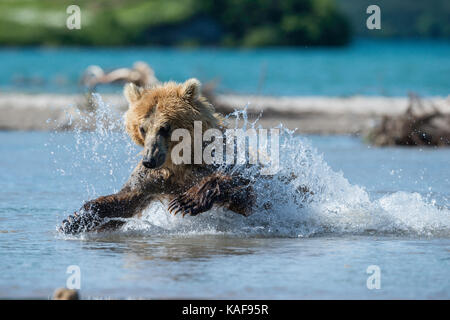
pixel 164 130
pixel 142 130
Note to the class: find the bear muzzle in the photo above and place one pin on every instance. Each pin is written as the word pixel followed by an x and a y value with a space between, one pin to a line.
pixel 154 161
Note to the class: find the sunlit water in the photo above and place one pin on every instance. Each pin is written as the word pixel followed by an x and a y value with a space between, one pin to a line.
pixel 368 67
pixel 387 207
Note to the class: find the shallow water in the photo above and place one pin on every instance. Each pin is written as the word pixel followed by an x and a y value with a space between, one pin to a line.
pixel 367 67
pixel 389 207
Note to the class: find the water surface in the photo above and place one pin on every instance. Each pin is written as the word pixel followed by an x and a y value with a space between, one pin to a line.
pixel 389 207
pixel 367 67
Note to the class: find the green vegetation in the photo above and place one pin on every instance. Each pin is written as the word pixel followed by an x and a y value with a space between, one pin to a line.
pixel 247 23
pixel 400 18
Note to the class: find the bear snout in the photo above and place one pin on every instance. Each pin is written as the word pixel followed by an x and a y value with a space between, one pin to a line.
pixel 154 162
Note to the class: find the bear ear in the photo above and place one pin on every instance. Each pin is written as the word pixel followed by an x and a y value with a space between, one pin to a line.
pixel 132 92
pixel 191 89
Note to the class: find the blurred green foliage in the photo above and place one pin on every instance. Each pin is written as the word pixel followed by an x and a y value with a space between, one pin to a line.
pixel 247 23
pixel 401 18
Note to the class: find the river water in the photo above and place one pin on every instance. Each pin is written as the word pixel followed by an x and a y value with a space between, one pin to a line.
pixel 386 207
pixel 366 67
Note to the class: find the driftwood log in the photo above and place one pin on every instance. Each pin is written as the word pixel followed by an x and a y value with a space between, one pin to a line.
pixel 141 74
pixel 420 125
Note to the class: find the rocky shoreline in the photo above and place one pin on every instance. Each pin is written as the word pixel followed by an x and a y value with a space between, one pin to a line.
pixel 310 115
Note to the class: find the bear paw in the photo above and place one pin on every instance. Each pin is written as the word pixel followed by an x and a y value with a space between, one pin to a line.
pixel 196 200
pixel 80 222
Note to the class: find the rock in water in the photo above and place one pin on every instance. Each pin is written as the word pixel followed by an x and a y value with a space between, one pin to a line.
pixel 65 294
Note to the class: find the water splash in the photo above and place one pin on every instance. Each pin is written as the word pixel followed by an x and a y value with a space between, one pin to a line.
pixel 331 205
pixel 99 148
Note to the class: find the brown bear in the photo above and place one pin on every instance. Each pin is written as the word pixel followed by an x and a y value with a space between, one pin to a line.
pixel 153 114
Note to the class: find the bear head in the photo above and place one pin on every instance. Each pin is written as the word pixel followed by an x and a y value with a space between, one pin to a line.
pixel 155 112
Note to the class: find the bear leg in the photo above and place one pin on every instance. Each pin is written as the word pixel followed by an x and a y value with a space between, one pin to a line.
pixel 99 214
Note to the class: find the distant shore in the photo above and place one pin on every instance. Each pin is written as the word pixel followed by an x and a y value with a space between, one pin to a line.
pixel 310 115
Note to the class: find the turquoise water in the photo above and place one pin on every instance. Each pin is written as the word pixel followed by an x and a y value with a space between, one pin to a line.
pixel 366 67
pixel 388 207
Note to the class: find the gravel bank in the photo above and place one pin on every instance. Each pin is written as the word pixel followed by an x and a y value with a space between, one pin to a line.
pixel 313 115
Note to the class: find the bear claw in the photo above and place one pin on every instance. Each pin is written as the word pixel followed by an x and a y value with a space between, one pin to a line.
pixel 191 205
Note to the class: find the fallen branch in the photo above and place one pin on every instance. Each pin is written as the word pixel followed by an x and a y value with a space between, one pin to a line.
pixel 418 126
